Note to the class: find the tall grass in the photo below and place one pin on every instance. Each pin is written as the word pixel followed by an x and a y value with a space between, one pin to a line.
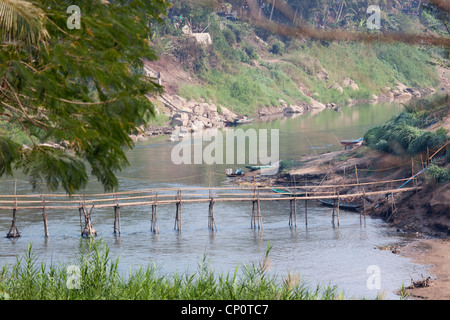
pixel 406 132
pixel 246 89
pixel 100 279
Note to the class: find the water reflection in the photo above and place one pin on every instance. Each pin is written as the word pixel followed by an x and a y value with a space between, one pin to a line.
pixel 321 252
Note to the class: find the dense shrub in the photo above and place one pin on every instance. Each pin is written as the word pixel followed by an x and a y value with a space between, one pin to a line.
pixel 438 174
pixel 401 131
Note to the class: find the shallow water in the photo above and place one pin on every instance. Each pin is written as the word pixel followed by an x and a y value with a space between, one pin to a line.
pixel 321 252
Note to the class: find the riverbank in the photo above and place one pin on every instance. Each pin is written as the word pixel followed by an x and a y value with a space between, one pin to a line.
pixel 424 213
pixel 192 116
pixel 435 254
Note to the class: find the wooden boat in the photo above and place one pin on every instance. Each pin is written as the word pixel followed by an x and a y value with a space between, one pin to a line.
pixel 239 121
pixel 253 168
pixel 342 205
pixel 351 143
pixel 230 173
pixel 287 192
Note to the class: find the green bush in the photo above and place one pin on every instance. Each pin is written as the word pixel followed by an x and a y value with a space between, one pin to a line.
pixel 401 131
pixel 438 174
pixel 100 280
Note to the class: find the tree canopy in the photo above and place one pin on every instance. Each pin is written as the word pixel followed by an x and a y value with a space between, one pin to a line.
pixel 82 87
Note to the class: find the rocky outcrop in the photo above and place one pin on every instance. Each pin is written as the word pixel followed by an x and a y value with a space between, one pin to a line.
pixel 323 75
pixel 196 115
pixel 337 87
pixel 403 92
pixel 291 109
pixel 347 82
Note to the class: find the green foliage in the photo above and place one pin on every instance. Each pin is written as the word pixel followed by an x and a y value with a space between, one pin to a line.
pixel 245 90
pixel 82 86
pixel 403 133
pixel 438 174
pixel 100 280
pixel 409 64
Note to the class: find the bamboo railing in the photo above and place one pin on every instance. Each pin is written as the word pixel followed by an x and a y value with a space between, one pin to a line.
pixel 86 203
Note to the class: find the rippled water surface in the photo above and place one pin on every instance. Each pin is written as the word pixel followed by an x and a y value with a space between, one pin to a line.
pixel 321 252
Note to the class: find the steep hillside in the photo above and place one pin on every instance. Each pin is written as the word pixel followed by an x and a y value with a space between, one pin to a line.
pixel 242 69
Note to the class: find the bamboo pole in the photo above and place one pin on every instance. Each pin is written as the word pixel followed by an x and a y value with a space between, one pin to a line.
pixel 306 207
pixel 259 213
pixel 290 212
pixel 295 213
pixel 211 220
pixel 357 179
pixel 154 223
pixel 306 212
pixel 13 231
pixel 117 215
pixel 337 210
pixel 177 225
pixel 80 208
pixel 44 217
pixel 205 200
pixel 334 207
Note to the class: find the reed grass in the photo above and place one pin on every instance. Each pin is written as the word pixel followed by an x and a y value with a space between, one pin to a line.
pixel 100 280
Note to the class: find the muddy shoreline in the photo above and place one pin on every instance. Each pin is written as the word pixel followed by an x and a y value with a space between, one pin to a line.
pixel 422 214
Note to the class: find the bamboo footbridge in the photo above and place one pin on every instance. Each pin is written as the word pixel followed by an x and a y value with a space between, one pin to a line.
pixel 85 204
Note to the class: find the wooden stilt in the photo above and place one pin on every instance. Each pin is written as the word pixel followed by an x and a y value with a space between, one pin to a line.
pixel 13 231
pixel 211 220
pixel 117 219
pixel 306 212
pixel 334 208
pixel 258 202
pixel 177 225
pixel 154 226
pixel 364 211
pixel 116 214
pixel 295 213
pixel 253 217
pixel 80 210
pixel 88 230
pixel 44 217
pixel 337 211
pixel 254 207
pixel 291 213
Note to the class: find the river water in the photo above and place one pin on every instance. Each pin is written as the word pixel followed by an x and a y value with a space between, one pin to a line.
pixel 321 253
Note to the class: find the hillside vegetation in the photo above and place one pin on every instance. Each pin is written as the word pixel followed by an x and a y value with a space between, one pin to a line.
pixel 248 67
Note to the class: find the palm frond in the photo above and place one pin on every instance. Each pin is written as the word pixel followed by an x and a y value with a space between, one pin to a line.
pixel 22 21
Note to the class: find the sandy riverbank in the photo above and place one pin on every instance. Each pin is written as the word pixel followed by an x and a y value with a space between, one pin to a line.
pixel 434 253
pixel 424 213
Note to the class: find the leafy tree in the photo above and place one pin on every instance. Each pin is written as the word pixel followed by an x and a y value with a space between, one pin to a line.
pixel 81 87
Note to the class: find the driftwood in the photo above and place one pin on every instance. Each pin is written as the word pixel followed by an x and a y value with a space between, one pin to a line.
pixel 425 282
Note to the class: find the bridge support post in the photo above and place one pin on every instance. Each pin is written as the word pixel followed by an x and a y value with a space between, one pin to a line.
pixel 154 226
pixel 13 231
pixel 306 212
pixel 44 217
pixel 256 214
pixel 117 219
pixel 334 208
pixel 258 202
pixel 293 214
pixel 211 221
pixel 252 220
pixel 337 210
pixel 88 230
pixel 177 225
